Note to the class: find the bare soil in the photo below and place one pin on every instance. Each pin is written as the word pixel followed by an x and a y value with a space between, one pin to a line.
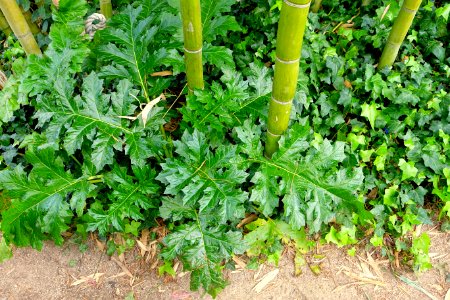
pixel 66 273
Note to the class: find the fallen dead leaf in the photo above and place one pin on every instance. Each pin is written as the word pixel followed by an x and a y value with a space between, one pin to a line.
pixel 265 280
pixel 162 74
pixel 363 279
pixel 239 262
pixel 260 269
pixel 375 266
pixel 93 278
pixel 148 107
pixel 122 266
pixel 385 12
pixel 101 246
pixel 248 219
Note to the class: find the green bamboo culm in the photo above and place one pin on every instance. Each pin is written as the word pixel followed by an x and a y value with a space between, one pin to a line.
pixel 398 32
pixel 192 33
pixel 106 8
pixel 4 26
pixel 29 18
pixel 19 26
pixel 291 29
pixel 316 6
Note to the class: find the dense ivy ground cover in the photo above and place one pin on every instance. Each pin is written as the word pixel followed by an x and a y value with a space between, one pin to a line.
pixel 85 147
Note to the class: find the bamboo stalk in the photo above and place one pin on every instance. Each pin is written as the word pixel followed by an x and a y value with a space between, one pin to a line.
pixel 316 6
pixel 291 29
pixel 192 32
pixel 33 27
pixel 19 26
pixel 4 26
pixel 106 8
pixel 398 32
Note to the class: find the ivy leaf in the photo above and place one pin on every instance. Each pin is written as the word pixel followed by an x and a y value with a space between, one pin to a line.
pixel 443 11
pixel 408 169
pixel 371 112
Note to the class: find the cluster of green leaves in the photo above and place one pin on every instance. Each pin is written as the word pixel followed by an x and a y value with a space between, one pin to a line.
pixel 395 120
pixel 82 147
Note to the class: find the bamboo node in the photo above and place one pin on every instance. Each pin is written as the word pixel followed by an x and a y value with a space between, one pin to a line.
pixel 273 134
pixel 24 35
pixel 281 102
pixel 394 44
pixel 409 10
pixel 287 62
pixel 193 51
pixel 297 5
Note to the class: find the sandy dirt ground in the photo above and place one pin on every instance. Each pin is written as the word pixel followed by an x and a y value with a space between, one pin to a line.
pixel 66 273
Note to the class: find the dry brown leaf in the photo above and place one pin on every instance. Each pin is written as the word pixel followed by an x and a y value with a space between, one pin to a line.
pixel 101 246
pixel 373 193
pixel 117 275
pixel 128 118
pixel 175 266
pixel 239 262
pixel 260 269
pixel 366 271
pixel 375 266
pixel 341 287
pixel 162 74
pixel 122 266
pixel 249 219
pixel 93 278
pixel 348 84
pixel 148 107
pixel 385 12
pixel 143 247
pixel 364 279
pixel 265 280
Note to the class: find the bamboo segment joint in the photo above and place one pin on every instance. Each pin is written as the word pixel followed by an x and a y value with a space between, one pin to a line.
pixel 24 35
pixel 193 51
pixel 394 44
pixel 287 62
pixel 408 10
pixel 281 102
pixel 297 5
pixel 273 134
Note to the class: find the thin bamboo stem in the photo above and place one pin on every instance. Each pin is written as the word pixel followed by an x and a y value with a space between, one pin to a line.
pixel 316 6
pixel 291 29
pixel 398 32
pixel 106 8
pixel 19 26
pixel 193 43
pixel 4 26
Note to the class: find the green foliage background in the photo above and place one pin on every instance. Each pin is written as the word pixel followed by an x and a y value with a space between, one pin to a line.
pixel 366 156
